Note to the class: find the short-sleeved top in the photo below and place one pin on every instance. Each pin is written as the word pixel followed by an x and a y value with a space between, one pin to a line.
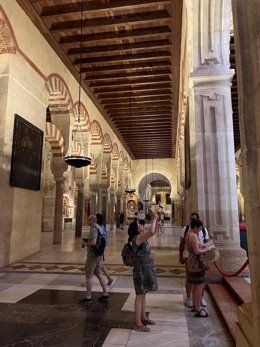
pixel 200 234
pixel 93 234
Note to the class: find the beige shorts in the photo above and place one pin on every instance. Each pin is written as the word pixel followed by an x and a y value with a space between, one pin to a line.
pixel 93 265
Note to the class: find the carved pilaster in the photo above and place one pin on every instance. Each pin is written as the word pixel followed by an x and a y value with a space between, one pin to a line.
pixel 213 181
pixel 211 33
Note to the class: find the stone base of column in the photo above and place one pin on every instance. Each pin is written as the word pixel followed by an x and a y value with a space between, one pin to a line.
pixel 246 335
pixel 231 260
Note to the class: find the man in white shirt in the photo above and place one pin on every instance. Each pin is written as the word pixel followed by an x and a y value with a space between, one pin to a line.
pixel 203 237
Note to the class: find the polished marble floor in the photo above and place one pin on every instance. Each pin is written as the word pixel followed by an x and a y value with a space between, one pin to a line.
pixel 39 300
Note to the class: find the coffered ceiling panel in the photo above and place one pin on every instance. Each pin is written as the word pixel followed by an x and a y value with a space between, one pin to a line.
pixel 128 53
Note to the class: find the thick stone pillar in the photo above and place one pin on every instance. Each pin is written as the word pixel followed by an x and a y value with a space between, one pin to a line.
pixel 79 211
pixel 213 179
pixel 58 214
pixel 247 39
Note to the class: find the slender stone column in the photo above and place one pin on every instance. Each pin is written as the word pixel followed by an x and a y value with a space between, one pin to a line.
pixel 118 209
pixel 79 212
pixel 93 203
pixel 213 179
pixel 58 214
pixel 247 39
pixel 111 210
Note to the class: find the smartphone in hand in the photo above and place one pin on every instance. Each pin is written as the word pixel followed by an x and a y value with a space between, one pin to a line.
pixel 84 241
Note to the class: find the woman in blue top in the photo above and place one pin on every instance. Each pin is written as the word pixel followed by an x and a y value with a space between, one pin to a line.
pixel 144 274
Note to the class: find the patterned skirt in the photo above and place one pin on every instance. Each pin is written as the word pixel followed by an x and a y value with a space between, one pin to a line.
pixel 144 275
pixel 195 269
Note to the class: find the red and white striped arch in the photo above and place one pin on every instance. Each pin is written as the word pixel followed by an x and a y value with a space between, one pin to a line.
pixel 107 144
pixel 115 152
pixel 84 117
pixel 60 100
pixel 96 133
pixel 54 137
pixel 8 43
pixel 93 165
pixel 112 176
pixel 104 172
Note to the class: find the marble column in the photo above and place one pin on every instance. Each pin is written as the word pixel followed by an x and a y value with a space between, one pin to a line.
pixel 247 40
pixel 58 214
pixel 213 179
pixel 79 211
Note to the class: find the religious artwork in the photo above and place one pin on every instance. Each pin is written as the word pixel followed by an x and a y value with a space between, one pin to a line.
pixel 26 155
pixel 131 210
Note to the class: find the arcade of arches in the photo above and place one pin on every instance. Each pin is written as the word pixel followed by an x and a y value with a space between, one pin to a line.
pixel 207 176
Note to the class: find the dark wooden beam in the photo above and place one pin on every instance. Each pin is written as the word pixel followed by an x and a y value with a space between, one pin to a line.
pixel 119 34
pixel 137 46
pixel 122 58
pixel 95 7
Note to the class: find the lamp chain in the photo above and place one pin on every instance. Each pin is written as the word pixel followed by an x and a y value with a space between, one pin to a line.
pixel 80 57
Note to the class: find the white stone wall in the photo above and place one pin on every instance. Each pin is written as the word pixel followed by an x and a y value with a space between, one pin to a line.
pixel 23 74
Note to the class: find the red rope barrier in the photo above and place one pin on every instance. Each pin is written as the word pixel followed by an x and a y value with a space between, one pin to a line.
pixel 232 275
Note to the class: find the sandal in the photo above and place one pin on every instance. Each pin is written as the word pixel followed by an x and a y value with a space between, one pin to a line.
pixel 201 313
pixel 192 308
pixel 148 322
pixel 141 328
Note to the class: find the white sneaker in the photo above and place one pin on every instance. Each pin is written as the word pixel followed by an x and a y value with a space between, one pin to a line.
pixel 189 302
pixel 203 302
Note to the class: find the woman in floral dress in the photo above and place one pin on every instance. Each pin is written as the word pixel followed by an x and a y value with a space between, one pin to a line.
pixel 196 266
pixel 144 274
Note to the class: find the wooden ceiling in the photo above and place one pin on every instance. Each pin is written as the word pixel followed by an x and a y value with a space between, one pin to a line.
pixel 128 53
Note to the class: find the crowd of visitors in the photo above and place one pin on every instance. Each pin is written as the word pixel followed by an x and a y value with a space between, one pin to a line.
pixel 193 246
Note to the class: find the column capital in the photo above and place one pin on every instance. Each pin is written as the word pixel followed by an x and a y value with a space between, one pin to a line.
pixel 209 78
pixel 80 186
pixel 59 179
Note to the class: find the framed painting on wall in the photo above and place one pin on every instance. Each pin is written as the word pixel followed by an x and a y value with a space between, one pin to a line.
pixel 26 155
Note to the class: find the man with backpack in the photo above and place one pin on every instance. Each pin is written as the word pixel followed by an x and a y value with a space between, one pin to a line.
pixel 103 232
pixel 93 266
pixel 203 237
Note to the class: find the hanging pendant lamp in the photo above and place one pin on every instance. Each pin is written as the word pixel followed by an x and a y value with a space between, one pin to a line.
pixel 128 188
pixel 81 160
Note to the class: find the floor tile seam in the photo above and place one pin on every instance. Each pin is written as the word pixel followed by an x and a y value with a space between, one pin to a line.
pixel 82 272
pixel 27 264
pixel 96 287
